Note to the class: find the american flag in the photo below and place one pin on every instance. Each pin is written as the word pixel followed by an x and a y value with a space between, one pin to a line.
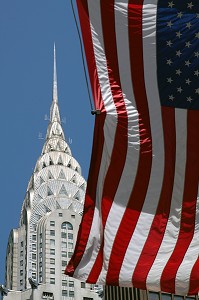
pixel 140 224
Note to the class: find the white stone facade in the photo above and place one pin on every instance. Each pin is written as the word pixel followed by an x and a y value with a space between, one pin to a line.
pixel 50 217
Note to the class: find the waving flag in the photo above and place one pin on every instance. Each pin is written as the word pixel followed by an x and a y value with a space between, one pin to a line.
pixel 140 225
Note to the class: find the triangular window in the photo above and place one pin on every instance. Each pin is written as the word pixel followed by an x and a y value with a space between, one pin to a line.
pixel 40 197
pixel 69 164
pixel 50 147
pixel 47 209
pixel 76 196
pixel 66 150
pixel 60 162
pixel 63 191
pixel 77 169
pixel 57 205
pixel 49 192
pixel 41 180
pixel 50 176
pixel 58 146
pixel 50 161
pixel 82 186
pixel 73 179
pixel 62 175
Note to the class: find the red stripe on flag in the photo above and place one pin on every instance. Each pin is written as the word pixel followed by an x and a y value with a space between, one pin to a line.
pixel 98 143
pixel 194 279
pixel 120 144
pixel 159 224
pixel 134 207
pixel 89 51
pixel 187 225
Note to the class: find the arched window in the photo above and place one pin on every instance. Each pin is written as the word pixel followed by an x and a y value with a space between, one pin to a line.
pixel 67 225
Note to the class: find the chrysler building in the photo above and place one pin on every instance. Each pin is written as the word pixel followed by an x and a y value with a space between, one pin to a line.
pixel 39 249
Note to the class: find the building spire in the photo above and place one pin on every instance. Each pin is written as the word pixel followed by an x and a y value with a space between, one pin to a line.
pixel 54 111
pixel 55 133
pixel 55 93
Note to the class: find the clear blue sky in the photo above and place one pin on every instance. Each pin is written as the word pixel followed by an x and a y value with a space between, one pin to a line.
pixel 28 30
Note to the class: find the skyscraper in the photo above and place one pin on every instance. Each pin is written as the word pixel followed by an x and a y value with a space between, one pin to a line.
pixel 39 249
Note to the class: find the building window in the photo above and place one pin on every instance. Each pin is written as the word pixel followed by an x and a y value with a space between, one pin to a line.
pixel 64 245
pixel 52 242
pixel 50 160
pixel 47 295
pixel 52 251
pixel 34 238
pixel 59 162
pixel 64 282
pixel 71 293
pixel 87 298
pixel 70 236
pixel 52 280
pixel 73 216
pixel 33 246
pixel 52 270
pixel 34 266
pixel 21 282
pixel 60 214
pixel 64 293
pixel 63 225
pixel 83 285
pixel 61 175
pixel 21 272
pixel 34 275
pixel 64 254
pixel 70 254
pixel 52 232
pixel 40 278
pixel 71 283
pixel 63 235
pixel 63 191
pixel 70 245
pixel 50 176
pixel 64 263
pixel 34 256
pixel 21 253
pixel 21 244
pixel 67 225
pixel 52 223
pixel 52 261
pixel 21 263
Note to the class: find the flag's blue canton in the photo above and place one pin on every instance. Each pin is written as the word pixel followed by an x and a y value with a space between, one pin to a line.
pixel 178 53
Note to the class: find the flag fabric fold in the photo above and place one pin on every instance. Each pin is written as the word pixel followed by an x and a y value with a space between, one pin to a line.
pixel 140 225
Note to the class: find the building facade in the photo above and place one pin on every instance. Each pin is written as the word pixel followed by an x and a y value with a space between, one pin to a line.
pixel 39 249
